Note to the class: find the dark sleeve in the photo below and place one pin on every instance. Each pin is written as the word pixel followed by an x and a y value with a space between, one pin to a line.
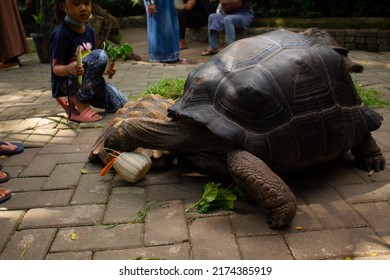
pixel 61 45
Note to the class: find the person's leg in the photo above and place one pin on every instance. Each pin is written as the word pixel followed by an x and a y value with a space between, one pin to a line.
pixel 114 99
pixel 232 22
pixel 181 15
pixel 213 43
pixel 93 87
pixel 215 24
pixel 213 40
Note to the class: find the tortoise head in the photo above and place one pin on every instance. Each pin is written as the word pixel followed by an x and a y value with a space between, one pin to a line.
pixel 117 139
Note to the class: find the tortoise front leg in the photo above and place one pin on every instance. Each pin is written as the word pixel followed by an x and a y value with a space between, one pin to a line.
pixel 368 155
pixel 264 186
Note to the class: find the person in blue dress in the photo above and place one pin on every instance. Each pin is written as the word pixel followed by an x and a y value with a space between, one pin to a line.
pixel 163 31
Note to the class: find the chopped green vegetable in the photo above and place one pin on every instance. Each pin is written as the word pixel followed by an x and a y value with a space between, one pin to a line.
pixel 214 196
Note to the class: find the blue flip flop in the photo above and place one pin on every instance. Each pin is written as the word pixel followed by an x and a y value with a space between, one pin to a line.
pixel 6 197
pixel 18 150
pixel 6 178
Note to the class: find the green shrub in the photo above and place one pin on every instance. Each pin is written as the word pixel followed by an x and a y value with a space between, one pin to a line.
pixel 167 88
pixel 370 97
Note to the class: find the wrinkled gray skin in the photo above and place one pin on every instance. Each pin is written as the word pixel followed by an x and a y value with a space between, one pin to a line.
pixel 273 103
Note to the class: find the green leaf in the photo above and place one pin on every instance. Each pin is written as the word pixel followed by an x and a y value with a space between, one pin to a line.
pixel 127 48
pixel 114 51
pixel 226 199
pixel 210 192
pixel 214 195
pixel 118 38
pixel 202 209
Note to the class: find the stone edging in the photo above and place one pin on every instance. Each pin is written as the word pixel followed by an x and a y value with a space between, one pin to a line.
pixel 367 39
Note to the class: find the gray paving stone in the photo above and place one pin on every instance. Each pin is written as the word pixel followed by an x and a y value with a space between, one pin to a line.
pixel 46 123
pixel 337 214
pixel 269 248
pixel 73 158
pixel 331 174
pixel 40 166
pixel 63 148
pixel 123 204
pixel 26 184
pixel 374 257
pixel 91 189
pixel 31 244
pixel 65 136
pixel 170 176
pixel 63 216
pixel 86 255
pixel 256 224
pixel 92 167
pixel 173 192
pixel 22 159
pixel 377 214
pixel 13 171
pixel 9 221
pixel 166 224
pixel 27 200
pixel 382 176
pixel 251 224
pixel 40 138
pixel 212 239
pixel 98 238
pixel 335 244
pixel 85 135
pixel 169 252
pixel 12 125
pixel 331 209
pixel 365 192
pixel 64 176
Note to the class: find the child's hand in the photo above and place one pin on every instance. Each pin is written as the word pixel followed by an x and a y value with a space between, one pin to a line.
pixel 75 69
pixel 111 70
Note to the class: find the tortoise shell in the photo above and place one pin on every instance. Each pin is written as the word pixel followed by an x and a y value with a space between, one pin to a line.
pixel 281 96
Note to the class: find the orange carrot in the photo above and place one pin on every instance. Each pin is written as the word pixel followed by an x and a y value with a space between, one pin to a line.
pixel 107 167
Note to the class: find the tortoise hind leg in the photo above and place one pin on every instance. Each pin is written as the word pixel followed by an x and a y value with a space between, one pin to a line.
pixel 368 155
pixel 264 186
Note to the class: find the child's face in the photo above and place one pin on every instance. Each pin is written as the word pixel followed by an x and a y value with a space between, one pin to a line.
pixel 79 10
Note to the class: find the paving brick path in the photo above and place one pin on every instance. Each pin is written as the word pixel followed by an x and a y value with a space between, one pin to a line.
pixel 342 212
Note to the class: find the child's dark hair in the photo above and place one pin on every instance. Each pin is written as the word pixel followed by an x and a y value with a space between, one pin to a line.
pixel 58 11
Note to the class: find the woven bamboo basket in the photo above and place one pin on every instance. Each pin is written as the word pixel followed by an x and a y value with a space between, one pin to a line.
pixel 131 166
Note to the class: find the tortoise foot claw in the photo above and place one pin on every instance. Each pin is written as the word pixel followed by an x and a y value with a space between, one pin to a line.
pixel 376 163
pixel 281 216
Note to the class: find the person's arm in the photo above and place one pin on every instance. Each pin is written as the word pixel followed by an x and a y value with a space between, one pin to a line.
pixel 62 70
pixel 111 70
pixel 189 5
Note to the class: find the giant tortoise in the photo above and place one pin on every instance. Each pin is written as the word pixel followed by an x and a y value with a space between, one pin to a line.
pixel 276 102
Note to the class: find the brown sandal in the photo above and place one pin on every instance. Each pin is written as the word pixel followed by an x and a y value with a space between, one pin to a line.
pixel 209 52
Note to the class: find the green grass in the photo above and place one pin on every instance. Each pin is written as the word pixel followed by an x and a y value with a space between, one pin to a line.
pixel 173 88
pixel 167 88
pixel 370 97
